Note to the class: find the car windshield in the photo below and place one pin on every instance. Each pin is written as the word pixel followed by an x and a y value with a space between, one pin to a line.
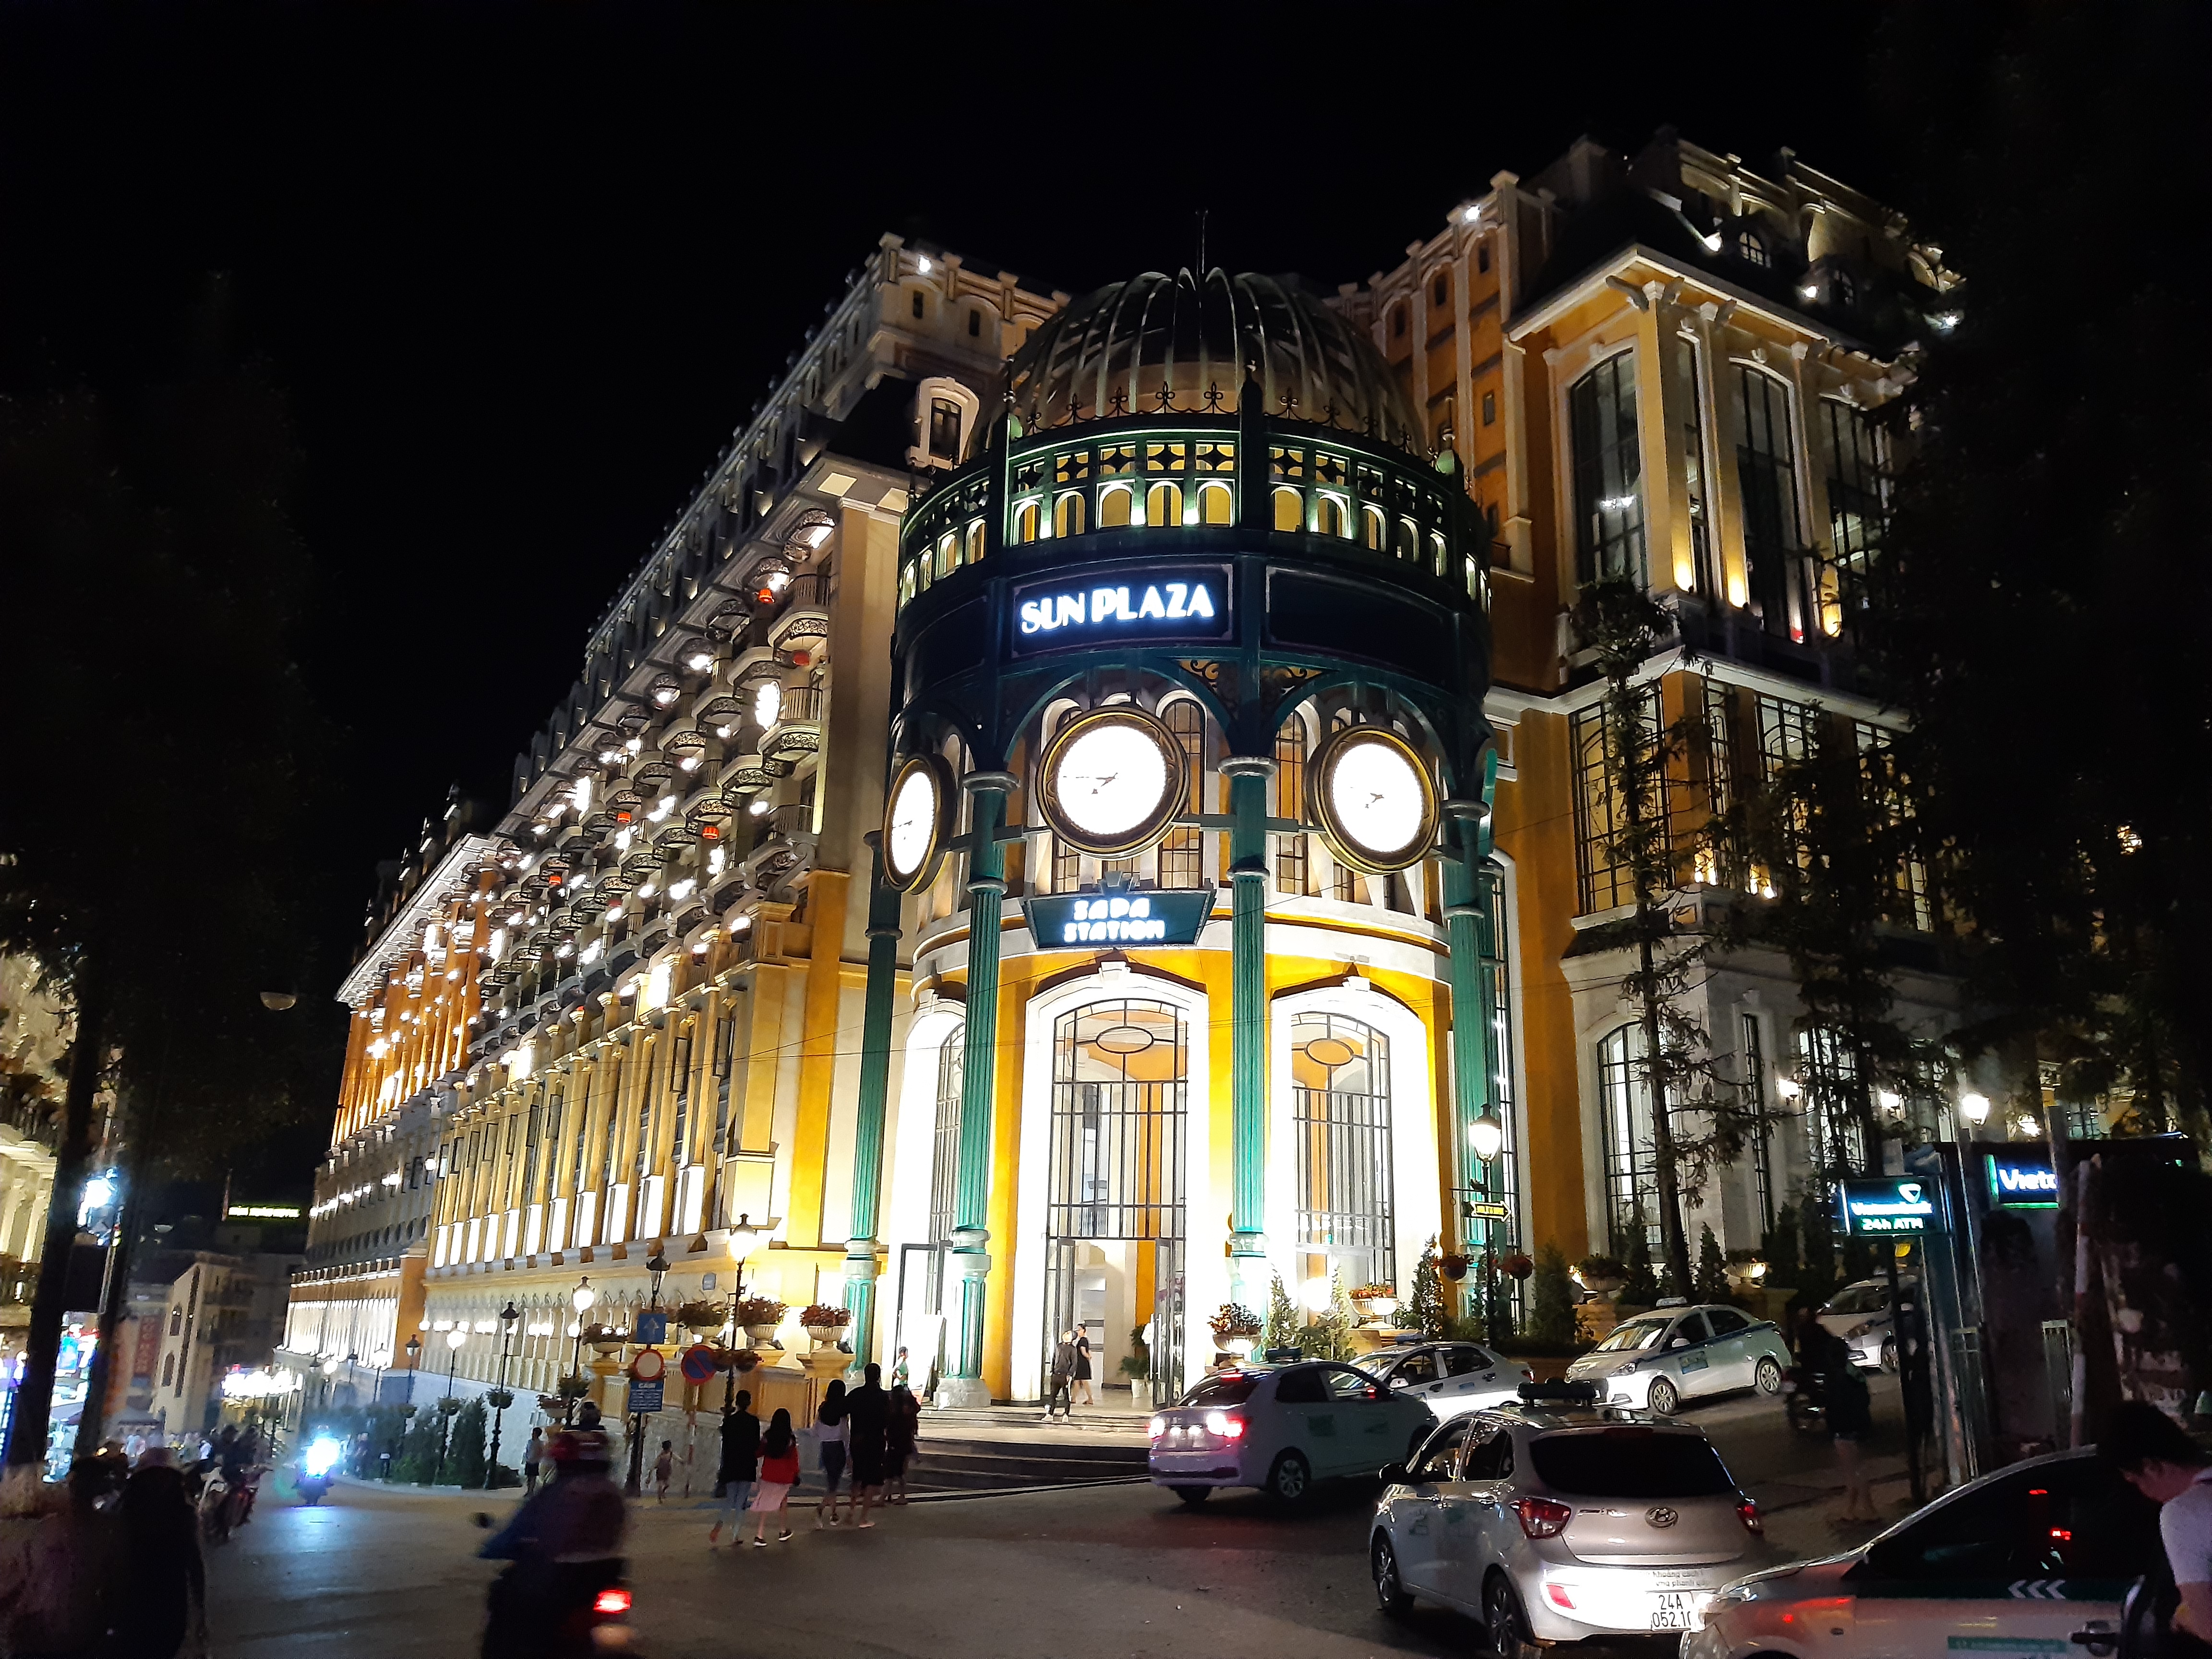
pixel 1629 1462
pixel 1227 1388
pixel 1635 1333
pixel 1859 1299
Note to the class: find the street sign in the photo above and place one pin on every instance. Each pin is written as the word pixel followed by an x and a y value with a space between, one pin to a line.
pixel 1884 1205
pixel 644 1398
pixel 1159 916
pixel 648 1365
pixel 1484 1210
pixel 652 1329
pixel 2022 1180
pixel 698 1363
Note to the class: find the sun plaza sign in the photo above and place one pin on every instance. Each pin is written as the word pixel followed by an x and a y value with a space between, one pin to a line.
pixel 1183 602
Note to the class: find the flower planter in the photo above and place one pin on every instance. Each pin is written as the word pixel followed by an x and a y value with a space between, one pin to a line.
pixel 824 1335
pixel 1237 1343
pixel 1376 1306
pixel 761 1335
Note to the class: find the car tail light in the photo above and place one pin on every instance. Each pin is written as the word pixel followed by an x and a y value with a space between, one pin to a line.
pixel 612 1604
pixel 1558 1597
pixel 1540 1517
pixel 1747 1512
pixel 1157 1427
pixel 1223 1426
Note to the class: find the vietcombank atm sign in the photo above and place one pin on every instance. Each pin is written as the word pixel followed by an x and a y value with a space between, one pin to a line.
pixel 1870 1205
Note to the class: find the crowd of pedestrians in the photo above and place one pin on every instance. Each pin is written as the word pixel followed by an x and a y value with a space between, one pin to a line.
pixel 863 1440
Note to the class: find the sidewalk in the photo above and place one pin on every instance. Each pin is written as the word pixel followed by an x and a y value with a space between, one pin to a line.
pixel 1803 1521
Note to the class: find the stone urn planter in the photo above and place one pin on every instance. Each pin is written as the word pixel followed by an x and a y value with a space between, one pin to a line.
pixel 761 1335
pixel 1241 1347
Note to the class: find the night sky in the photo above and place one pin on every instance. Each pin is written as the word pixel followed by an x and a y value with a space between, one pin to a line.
pixel 522 271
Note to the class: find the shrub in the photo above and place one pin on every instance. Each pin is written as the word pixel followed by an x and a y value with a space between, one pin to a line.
pixel 1551 1299
pixel 1284 1321
pixel 465 1450
pixel 1711 1284
pixel 1642 1290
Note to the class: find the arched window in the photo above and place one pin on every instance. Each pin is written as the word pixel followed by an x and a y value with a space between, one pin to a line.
pixel 1335 515
pixel 1374 528
pixel 1293 872
pixel 1632 1182
pixel 1067 514
pixel 1289 509
pixel 1440 290
pixel 1113 503
pixel 1341 1114
pixel 975 540
pixel 1026 518
pixel 1216 505
pixel 1609 474
pixel 1163 504
pixel 1407 545
pixel 1397 322
pixel 1182 855
pixel 944 1144
pixel 945 428
pixel 168 1369
pixel 948 554
pixel 1751 248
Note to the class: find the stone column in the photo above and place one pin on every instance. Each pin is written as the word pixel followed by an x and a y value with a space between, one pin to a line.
pixel 986 886
pixel 860 1268
pixel 1248 776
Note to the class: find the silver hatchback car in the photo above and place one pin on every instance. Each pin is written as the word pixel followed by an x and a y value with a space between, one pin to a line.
pixel 1558 1520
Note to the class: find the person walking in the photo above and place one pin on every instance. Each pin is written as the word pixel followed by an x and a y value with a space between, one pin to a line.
pixel 1082 1365
pixel 833 1437
pixel 159 1592
pixel 55 1587
pixel 899 1436
pixel 867 1416
pixel 1063 1375
pixel 779 1472
pixel 1851 1420
pixel 532 1456
pixel 664 1471
pixel 902 1371
pixel 739 1466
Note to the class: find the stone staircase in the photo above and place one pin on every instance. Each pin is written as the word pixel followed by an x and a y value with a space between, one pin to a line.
pixel 1003 1447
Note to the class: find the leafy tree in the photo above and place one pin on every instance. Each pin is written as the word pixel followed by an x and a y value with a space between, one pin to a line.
pixel 1781 1247
pixel 1713 1284
pixel 1696 1119
pixel 1552 1299
pixel 417 1462
pixel 1642 1288
pixel 464 1452
pixel 1329 1336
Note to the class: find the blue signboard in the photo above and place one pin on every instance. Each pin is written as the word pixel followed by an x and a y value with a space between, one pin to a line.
pixel 644 1397
pixel 1885 1204
pixel 1172 917
pixel 2022 1180
pixel 652 1330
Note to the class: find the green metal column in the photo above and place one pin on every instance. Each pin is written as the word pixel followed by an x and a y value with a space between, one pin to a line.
pixel 860 1267
pixel 1247 777
pixel 971 1202
pixel 1464 896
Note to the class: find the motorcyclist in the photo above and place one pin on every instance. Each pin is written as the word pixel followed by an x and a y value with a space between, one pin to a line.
pixel 565 1544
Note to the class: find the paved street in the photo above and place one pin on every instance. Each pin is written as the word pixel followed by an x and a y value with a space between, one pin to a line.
pixel 1107 1570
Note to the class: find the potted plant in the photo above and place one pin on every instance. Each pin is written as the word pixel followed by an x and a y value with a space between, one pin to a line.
pixel 498 1399
pixel 1236 1327
pixel 824 1323
pixel 1452 1267
pixel 1376 1301
pixel 604 1339
pixel 1519 1265
pixel 703 1317
pixel 1603 1274
pixel 758 1316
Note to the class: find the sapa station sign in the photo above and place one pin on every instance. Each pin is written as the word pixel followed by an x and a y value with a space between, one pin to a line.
pixel 1156 918
pixel 1178 603
pixel 1870 1205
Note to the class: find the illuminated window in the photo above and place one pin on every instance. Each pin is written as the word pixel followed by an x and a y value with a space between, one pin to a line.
pixel 1289 510
pixel 1766 475
pixel 1341 1115
pixel 1751 248
pixel 944 1148
pixel 1600 811
pixel 1181 856
pixel 1163 504
pixel 1407 545
pixel 1335 514
pixel 945 428
pixel 1026 517
pixel 1631 1179
pixel 1113 506
pixel 1375 528
pixel 1689 386
pixel 975 540
pixel 1290 862
pixel 1609 474
pixel 1067 514
pixel 1215 504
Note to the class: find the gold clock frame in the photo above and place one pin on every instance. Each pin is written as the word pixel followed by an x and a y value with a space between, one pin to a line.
pixel 940 832
pixel 1156 822
pixel 1342 842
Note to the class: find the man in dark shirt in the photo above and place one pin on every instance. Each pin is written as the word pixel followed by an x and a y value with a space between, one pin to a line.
pixel 868 1408
pixel 739 1465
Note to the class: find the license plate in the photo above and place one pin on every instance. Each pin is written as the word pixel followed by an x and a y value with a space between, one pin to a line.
pixel 1671 1610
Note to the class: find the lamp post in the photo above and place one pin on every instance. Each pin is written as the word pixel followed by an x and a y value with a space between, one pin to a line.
pixel 454 1337
pixel 745 1239
pixel 501 1398
pixel 1487 1135
pixel 657 1266
pixel 581 1300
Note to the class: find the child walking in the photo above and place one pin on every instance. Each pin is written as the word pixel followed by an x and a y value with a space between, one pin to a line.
pixel 664 1470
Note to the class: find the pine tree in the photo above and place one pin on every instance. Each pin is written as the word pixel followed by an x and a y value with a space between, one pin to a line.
pixel 1784 1259
pixel 417 1462
pixel 1713 1284
pixel 1551 1299
pixel 1284 1319
pixel 1642 1290
pixel 1426 1310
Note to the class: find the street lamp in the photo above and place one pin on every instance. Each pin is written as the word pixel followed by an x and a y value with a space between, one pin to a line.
pixel 745 1239
pixel 581 1300
pixel 657 1266
pixel 501 1399
pixel 1976 1108
pixel 1486 1136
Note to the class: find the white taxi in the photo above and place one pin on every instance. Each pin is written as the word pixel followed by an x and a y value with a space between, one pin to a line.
pixel 2034 1559
pixel 1449 1378
pixel 1280 1428
pixel 1659 1359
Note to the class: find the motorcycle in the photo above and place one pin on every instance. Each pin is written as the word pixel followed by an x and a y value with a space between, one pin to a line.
pixel 1804 1399
pixel 317 1467
pixel 556 1610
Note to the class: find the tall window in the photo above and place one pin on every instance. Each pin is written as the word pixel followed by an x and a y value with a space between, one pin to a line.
pixel 1341 1114
pixel 1689 387
pixel 945 428
pixel 1766 470
pixel 1120 1081
pixel 1858 506
pixel 1505 1181
pixel 1752 1056
pixel 1609 474
pixel 1291 870
pixel 1181 864
pixel 1835 1138
pixel 944 1144
pixel 1881 779
pixel 1600 811
pixel 1631 1180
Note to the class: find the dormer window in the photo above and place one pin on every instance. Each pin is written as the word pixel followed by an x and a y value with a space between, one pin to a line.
pixel 918 304
pixel 974 324
pixel 945 428
pixel 1751 248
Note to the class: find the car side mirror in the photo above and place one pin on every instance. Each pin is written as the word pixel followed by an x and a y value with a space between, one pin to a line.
pixel 1393 1475
pixel 1680 1342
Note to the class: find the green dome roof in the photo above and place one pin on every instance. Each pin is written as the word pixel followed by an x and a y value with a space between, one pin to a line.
pixel 1184 343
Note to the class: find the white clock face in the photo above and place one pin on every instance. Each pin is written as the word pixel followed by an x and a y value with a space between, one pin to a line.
pixel 913 822
pixel 1376 797
pixel 1109 779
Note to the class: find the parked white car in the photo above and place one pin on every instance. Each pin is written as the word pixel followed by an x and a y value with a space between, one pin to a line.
pixel 2036 1559
pixel 1861 1315
pixel 1449 1378
pixel 1557 1521
pixel 1280 1428
pixel 1657 1360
